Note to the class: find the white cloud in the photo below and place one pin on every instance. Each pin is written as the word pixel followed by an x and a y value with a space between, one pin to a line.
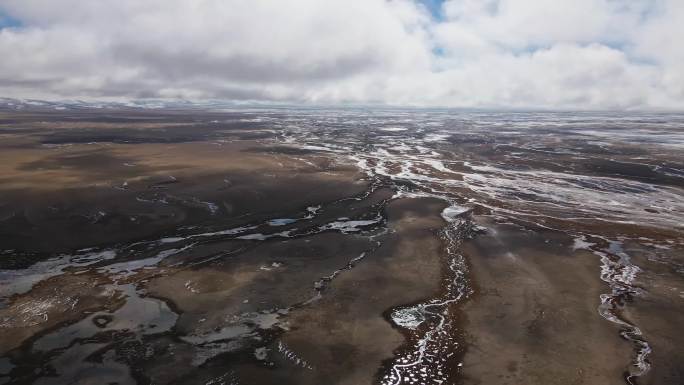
pixel 481 53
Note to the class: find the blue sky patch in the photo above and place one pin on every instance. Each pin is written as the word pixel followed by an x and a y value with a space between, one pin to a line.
pixel 7 21
pixel 435 8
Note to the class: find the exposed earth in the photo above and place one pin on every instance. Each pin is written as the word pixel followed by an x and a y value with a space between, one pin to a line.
pixel 346 246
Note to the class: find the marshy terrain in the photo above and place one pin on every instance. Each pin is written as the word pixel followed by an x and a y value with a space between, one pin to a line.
pixel 345 246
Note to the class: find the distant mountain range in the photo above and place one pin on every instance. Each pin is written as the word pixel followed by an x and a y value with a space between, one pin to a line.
pixel 36 104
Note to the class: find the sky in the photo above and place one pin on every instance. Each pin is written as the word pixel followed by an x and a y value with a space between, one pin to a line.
pixel 499 54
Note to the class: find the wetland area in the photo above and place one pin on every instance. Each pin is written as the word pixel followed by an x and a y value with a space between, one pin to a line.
pixel 340 246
